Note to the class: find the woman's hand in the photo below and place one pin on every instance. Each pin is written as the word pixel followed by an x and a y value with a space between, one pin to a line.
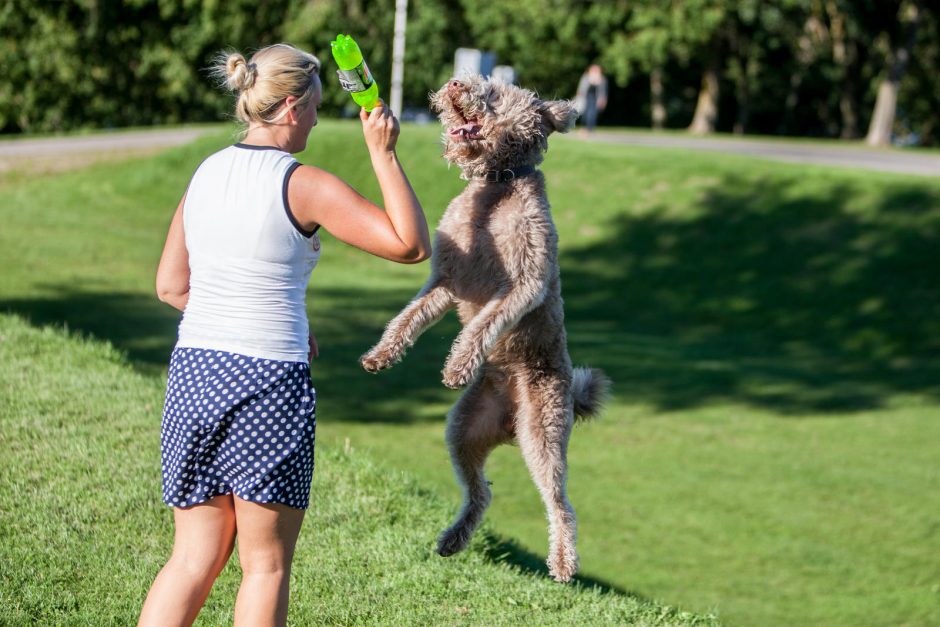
pixel 380 128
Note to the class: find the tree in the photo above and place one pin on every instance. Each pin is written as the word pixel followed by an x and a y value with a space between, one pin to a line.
pixel 816 67
pixel 807 42
pixel 43 80
pixel 920 90
pixel 900 50
pixel 435 29
pixel 548 42
pixel 702 26
pixel 313 25
pixel 844 31
pixel 644 45
pixel 659 31
pixel 73 63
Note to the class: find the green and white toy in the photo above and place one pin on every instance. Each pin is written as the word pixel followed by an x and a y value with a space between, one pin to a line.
pixel 354 74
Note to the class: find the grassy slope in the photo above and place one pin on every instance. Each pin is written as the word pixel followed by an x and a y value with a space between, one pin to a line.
pixel 81 534
pixel 771 330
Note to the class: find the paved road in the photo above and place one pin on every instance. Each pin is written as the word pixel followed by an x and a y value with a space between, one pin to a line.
pixel 98 143
pixel 848 156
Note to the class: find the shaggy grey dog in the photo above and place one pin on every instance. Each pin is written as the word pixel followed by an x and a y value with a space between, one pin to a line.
pixel 496 259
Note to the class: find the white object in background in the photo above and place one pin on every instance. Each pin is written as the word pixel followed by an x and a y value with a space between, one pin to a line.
pixel 398 54
pixel 505 73
pixel 473 61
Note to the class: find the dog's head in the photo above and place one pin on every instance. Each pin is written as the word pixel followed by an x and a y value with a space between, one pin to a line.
pixel 489 124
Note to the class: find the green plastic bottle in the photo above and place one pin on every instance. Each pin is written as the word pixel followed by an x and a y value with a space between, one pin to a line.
pixel 354 74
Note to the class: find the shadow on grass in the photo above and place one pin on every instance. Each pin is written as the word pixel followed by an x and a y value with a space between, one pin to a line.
pixel 139 325
pixel 507 551
pixel 793 302
pixel 783 297
pixel 347 323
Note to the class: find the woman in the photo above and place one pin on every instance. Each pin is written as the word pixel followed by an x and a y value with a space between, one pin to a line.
pixel 238 424
pixel 591 98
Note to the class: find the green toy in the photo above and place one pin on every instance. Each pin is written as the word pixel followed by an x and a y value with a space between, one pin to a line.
pixel 354 74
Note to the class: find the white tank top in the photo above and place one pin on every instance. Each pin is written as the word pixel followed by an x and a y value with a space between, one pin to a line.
pixel 249 259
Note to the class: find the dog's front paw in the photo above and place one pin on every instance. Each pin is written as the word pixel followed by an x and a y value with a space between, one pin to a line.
pixel 460 370
pixel 456 378
pixel 378 358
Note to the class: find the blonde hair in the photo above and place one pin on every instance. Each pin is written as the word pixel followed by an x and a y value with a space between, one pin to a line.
pixel 262 83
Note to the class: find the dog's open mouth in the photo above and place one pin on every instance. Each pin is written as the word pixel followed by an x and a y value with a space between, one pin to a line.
pixel 470 129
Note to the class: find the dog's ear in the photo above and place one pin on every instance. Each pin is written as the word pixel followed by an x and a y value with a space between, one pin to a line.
pixel 559 115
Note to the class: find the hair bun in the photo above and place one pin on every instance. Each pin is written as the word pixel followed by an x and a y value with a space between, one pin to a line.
pixel 240 75
pixel 262 84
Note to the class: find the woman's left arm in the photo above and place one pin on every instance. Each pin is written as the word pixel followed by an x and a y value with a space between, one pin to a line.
pixel 173 271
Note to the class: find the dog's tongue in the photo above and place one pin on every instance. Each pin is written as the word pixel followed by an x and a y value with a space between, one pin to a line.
pixel 470 129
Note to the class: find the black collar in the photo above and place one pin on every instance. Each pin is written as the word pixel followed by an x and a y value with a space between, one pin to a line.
pixel 506 175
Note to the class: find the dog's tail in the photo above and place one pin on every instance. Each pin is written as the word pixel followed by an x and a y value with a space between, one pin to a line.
pixel 590 388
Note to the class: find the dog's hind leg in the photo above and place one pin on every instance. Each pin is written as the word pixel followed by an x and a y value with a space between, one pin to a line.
pixel 475 426
pixel 543 427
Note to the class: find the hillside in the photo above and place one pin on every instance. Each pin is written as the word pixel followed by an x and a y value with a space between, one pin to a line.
pixel 83 531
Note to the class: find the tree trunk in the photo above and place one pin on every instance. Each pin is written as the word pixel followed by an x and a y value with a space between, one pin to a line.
pixel 793 99
pixel 882 120
pixel 847 107
pixel 844 53
pixel 743 92
pixel 706 109
pixel 656 98
pixel 744 114
pixel 813 31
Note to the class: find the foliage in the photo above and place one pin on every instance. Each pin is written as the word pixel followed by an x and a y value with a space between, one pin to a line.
pixel 549 43
pixel 920 90
pixel 808 67
pixel 435 30
pixel 84 62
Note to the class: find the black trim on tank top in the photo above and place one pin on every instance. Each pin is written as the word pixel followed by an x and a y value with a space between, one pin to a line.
pixel 290 214
pixel 254 147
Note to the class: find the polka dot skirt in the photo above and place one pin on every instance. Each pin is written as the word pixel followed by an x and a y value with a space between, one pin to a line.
pixel 237 424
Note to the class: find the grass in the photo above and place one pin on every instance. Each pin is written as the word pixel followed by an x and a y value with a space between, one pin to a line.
pixel 773 332
pixel 81 542
pixel 794 140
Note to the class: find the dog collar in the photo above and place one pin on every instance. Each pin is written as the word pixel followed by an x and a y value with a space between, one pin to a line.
pixel 506 175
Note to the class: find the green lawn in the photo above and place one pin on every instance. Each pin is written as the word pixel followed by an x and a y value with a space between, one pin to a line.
pixel 773 333
pixel 83 536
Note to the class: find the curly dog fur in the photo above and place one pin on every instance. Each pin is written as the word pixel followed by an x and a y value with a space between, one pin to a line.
pixel 496 260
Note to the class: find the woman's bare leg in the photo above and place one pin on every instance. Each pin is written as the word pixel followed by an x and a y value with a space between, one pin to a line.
pixel 205 534
pixel 267 534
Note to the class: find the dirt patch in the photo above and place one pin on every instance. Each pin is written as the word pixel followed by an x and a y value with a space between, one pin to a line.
pixel 31 158
pixel 20 167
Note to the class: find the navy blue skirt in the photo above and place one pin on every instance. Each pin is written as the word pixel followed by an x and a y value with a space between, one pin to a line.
pixel 237 424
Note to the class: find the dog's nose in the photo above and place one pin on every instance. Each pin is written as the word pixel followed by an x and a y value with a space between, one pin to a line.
pixel 454 86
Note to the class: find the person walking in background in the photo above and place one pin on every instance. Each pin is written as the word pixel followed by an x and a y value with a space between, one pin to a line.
pixel 238 424
pixel 591 98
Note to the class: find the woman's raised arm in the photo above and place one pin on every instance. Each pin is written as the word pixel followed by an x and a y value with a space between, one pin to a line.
pixel 399 233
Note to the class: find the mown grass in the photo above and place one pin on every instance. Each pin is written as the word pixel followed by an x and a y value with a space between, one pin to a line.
pixel 81 536
pixel 773 333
